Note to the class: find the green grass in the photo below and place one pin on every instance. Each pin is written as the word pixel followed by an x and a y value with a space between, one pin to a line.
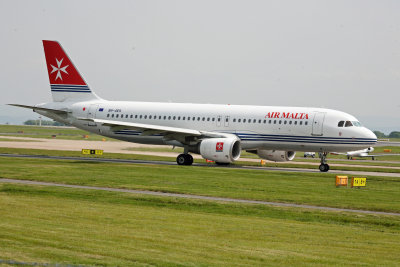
pixel 381 193
pixel 16 140
pixel 22 151
pixel 70 226
pixel 69 133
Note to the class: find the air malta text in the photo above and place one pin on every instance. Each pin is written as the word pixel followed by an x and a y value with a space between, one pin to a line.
pixel 287 115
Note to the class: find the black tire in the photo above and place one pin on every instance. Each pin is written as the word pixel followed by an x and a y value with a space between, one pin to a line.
pixel 184 159
pixel 181 159
pixel 189 159
pixel 324 167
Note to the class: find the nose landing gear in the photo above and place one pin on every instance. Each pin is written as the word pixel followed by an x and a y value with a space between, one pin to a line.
pixel 323 167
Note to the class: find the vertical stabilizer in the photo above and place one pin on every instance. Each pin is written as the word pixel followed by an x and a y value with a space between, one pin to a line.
pixel 66 82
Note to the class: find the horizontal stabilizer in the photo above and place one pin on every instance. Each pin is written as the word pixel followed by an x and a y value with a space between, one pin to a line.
pixel 39 108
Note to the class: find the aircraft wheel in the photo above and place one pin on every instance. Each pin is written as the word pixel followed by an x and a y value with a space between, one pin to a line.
pixel 184 159
pixel 324 167
pixel 189 159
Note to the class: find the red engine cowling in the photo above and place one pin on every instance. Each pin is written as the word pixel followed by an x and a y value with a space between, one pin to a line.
pixel 221 150
pixel 276 155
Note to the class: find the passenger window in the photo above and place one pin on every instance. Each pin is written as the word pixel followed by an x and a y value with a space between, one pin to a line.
pixel 305 123
pixel 131 116
pixel 117 115
pixel 208 119
pixel 203 119
pixel 179 118
pixel 301 123
pixel 284 122
pixel 259 121
pixel 169 117
pixel 254 121
pixel 239 120
pixel 126 116
pixel 295 123
pixel 219 119
pixel 348 124
pixel 165 117
pixel 183 118
pixel 108 115
pixel 140 116
pixel 244 120
pixel 290 122
pixel 280 122
pixel 274 121
pixel 265 121
pixel 150 117
pixel 135 116
pixel 174 118
pixel 188 118
pixel 234 120
pixel 198 118
pixel 112 116
pixel 213 119
pixel 269 121
pixel 340 124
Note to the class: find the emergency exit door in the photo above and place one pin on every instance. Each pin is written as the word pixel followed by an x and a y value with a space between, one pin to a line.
pixel 318 123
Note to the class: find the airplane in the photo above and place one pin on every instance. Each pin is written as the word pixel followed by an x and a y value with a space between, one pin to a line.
pixel 217 132
pixel 363 153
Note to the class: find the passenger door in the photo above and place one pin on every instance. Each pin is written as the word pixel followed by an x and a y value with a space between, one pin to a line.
pixel 91 114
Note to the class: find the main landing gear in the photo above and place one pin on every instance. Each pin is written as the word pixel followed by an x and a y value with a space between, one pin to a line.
pixel 323 167
pixel 184 159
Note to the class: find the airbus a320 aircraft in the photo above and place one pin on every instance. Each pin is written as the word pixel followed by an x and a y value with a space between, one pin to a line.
pixel 216 132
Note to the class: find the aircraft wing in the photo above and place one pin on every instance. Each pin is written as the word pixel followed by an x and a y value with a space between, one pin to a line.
pixel 171 133
pixel 147 129
pixel 57 111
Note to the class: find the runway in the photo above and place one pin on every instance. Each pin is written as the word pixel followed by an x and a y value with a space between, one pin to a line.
pixel 187 196
pixel 151 162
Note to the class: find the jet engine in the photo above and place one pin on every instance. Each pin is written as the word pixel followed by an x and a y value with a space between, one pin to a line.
pixel 276 155
pixel 221 150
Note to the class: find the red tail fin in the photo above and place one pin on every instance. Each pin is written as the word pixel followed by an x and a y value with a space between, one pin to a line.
pixel 65 81
pixel 60 67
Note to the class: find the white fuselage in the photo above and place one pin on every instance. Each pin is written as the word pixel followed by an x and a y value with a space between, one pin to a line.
pixel 258 127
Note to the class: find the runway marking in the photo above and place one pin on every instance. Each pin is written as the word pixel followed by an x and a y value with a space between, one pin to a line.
pixel 187 196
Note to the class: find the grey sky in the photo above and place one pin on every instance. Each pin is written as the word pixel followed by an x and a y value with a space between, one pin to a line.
pixel 343 55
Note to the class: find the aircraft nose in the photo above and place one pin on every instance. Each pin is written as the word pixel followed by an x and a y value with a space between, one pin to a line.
pixel 370 135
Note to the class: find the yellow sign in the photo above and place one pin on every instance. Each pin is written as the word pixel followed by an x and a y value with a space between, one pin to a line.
pixel 358 181
pixel 92 152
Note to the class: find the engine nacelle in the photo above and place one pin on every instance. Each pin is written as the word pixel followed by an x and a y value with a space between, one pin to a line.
pixel 276 155
pixel 221 150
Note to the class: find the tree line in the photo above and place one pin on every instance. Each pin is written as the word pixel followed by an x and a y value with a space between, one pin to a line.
pixel 393 134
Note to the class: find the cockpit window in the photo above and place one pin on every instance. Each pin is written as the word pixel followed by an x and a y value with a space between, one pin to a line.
pixel 357 123
pixel 340 124
pixel 348 124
